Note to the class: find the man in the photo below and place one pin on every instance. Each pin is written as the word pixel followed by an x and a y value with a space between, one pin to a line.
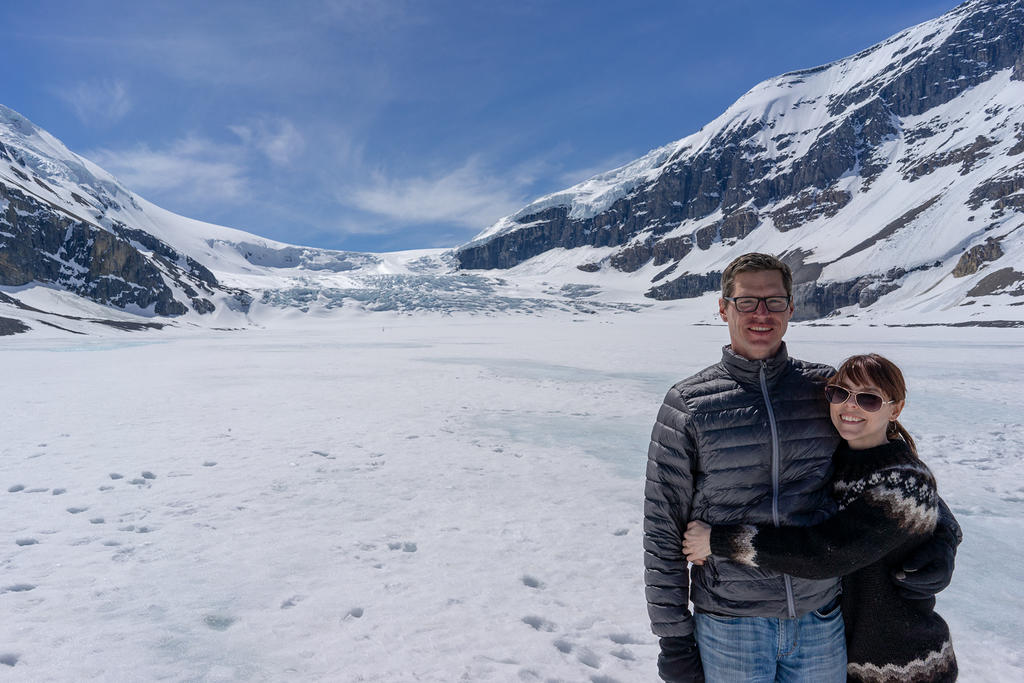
pixel 749 441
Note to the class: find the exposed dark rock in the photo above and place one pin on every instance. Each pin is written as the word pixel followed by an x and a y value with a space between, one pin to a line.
pixel 686 286
pixel 672 249
pixel 739 224
pixel 1002 281
pixel 973 258
pixel 802 271
pixel 999 189
pixel 808 206
pixel 633 257
pixel 1018 147
pixel 966 156
pixel 9 326
pixel 665 273
pixel 589 267
pixel 47 244
pixel 914 135
pixel 129 326
pixel 814 299
pixel 202 306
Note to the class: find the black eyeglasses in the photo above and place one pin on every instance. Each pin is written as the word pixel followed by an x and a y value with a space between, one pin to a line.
pixel 872 403
pixel 749 304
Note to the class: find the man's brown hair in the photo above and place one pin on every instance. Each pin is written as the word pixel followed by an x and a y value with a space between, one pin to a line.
pixel 753 262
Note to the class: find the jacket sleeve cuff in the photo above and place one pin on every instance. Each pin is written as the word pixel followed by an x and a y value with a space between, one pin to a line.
pixel 735 542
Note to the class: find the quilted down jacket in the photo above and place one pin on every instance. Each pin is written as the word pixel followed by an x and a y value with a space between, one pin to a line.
pixel 741 442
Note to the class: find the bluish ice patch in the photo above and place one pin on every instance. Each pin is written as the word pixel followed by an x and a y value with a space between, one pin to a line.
pixel 539 370
pixel 619 441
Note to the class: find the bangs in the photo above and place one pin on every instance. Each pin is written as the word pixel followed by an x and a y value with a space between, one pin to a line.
pixel 872 370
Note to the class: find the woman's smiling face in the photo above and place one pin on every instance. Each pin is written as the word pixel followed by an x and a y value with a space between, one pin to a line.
pixel 860 428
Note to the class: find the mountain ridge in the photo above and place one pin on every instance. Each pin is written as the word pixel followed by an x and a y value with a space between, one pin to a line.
pixel 752 171
pixel 893 175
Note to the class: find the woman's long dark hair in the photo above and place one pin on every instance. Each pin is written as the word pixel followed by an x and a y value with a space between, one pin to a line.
pixel 870 369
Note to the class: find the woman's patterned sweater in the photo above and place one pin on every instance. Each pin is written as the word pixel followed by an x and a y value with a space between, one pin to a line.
pixel 887 505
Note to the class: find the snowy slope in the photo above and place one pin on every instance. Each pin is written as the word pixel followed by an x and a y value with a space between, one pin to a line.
pixel 265 505
pixel 232 278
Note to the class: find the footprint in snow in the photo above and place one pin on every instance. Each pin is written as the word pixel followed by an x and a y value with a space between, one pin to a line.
pixel 405 547
pixel 539 623
pixel 209 463
pixel 532 582
pixel 218 622
pixel 9 659
pixel 115 476
pixel 16 488
pixel 589 658
pixel 76 510
pixel 59 492
pixel 26 541
pixel 292 601
pixel 563 646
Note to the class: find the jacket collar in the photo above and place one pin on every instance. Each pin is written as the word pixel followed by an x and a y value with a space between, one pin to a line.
pixel 747 371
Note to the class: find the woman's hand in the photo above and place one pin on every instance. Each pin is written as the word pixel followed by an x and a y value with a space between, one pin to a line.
pixel 697 542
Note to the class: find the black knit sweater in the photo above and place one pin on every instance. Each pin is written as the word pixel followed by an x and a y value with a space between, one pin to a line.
pixel 887 506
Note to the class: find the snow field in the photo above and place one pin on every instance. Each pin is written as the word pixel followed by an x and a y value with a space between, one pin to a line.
pixel 374 498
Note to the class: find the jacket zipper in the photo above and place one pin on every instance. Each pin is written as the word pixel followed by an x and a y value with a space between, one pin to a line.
pixel 790 602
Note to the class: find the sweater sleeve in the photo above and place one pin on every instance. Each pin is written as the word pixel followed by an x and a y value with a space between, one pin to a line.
pixel 881 512
pixel 667 498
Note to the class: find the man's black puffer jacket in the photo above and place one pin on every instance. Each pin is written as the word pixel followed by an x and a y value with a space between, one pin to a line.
pixel 722 454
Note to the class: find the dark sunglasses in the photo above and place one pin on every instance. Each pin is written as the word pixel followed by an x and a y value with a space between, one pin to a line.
pixel 749 304
pixel 872 403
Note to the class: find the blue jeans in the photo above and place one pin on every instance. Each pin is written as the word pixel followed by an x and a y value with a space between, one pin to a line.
pixel 811 649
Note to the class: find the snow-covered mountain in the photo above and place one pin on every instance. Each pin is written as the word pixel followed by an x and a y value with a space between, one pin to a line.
pixel 77 249
pixel 890 179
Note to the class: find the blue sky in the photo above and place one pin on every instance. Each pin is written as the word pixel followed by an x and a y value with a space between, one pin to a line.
pixel 385 125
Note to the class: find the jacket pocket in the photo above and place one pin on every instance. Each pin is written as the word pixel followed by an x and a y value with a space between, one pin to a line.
pixel 830 610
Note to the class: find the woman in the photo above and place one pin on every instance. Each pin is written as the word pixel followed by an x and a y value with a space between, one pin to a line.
pixel 887 504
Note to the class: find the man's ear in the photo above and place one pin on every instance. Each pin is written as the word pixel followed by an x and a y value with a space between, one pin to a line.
pixel 722 303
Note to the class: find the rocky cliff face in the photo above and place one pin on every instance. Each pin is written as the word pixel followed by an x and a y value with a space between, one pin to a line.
pixel 919 130
pixel 62 229
pixel 125 268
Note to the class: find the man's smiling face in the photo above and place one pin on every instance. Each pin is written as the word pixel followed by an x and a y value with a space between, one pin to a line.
pixel 756 335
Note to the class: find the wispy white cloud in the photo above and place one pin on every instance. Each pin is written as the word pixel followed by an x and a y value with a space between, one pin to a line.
pixel 98 103
pixel 193 170
pixel 469 195
pixel 278 139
